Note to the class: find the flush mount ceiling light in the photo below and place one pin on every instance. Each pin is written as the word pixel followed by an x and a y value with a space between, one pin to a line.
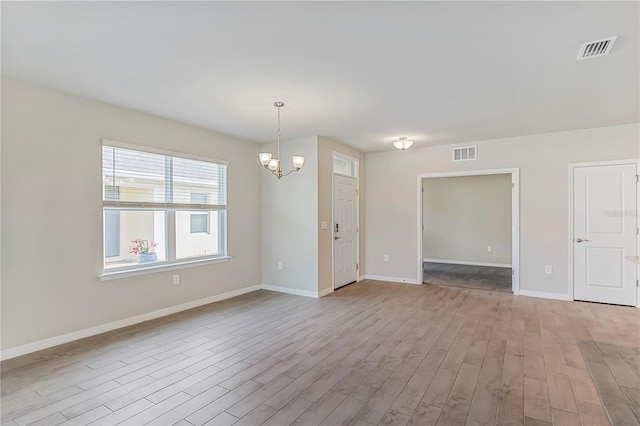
pixel 403 143
pixel 273 164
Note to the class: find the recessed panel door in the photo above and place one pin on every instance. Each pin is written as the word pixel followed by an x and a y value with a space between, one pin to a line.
pixel 604 234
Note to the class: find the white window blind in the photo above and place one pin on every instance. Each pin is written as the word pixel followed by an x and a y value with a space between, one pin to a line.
pixel 156 181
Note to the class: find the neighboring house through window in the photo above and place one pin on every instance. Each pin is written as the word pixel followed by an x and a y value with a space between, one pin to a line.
pixel 199 221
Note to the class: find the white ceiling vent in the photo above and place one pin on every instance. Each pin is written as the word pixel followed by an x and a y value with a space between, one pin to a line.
pixel 465 153
pixel 596 48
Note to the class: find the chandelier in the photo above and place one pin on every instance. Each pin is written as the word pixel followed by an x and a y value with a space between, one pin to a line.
pixel 273 164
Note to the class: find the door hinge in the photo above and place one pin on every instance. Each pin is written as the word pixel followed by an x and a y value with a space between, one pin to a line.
pixel 357 192
pixel 637 283
pixel 513 186
pixel 513 272
pixel 357 266
pixel 637 178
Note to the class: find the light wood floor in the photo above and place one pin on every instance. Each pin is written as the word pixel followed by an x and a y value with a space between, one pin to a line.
pixel 371 353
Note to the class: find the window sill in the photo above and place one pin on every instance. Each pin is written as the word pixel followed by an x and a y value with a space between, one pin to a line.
pixel 114 275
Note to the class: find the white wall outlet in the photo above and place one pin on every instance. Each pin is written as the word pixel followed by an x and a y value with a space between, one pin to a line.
pixel 324 225
pixel 548 269
pixel 489 249
pixel 176 279
pixel 386 258
pixel 279 266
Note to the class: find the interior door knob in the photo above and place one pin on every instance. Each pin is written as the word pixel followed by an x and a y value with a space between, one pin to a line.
pixel 336 237
pixel 579 240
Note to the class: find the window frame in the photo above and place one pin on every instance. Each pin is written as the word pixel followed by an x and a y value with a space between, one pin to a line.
pixel 170 210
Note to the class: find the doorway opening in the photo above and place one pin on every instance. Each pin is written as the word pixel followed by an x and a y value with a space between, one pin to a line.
pixel 468 226
pixel 345 226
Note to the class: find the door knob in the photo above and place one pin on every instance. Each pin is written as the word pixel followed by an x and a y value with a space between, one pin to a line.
pixel 579 240
pixel 336 238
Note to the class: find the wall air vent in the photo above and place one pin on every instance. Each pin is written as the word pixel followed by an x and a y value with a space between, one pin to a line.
pixel 593 49
pixel 465 153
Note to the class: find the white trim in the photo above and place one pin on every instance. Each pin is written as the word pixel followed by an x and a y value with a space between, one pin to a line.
pixel 324 292
pixel 117 274
pixel 362 277
pixel 470 263
pixel 470 173
pixel 152 150
pixel 288 290
pixel 392 279
pixel 544 295
pixel 570 245
pixel 88 332
pixel 515 217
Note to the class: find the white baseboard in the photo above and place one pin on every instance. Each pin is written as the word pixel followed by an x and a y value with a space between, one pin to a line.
pixel 471 263
pixel 289 290
pixel 544 295
pixel 88 332
pixel 392 279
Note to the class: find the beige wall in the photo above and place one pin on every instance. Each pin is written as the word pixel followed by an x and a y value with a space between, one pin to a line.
pixel 293 209
pixel 392 213
pixel 51 234
pixel 289 217
pixel 326 148
pixel 463 215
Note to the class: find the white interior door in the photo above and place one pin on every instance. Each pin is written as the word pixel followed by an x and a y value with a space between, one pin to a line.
pixel 604 233
pixel 344 230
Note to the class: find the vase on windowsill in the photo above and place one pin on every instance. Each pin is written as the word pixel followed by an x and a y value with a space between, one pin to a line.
pixel 143 249
pixel 147 257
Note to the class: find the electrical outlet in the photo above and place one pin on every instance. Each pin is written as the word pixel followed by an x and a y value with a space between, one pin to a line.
pixel 386 258
pixel 176 279
pixel 279 266
pixel 489 249
pixel 548 269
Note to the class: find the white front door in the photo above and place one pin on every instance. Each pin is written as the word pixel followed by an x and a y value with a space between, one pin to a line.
pixel 604 233
pixel 345 233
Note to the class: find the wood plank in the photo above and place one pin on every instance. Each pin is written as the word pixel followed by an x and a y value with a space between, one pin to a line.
pixel 425 414
pixel 592 414
pixel 564 418
pixel 454 412
pixel 259 415
pixel 375 409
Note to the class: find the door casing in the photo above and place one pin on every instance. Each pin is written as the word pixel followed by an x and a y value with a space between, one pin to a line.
pixel 515 217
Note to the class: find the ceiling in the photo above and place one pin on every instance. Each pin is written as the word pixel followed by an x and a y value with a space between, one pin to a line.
pixel 362 73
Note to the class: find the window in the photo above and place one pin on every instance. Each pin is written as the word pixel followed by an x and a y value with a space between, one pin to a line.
pixel 199 221
pixel 345 167
pixel 161 209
